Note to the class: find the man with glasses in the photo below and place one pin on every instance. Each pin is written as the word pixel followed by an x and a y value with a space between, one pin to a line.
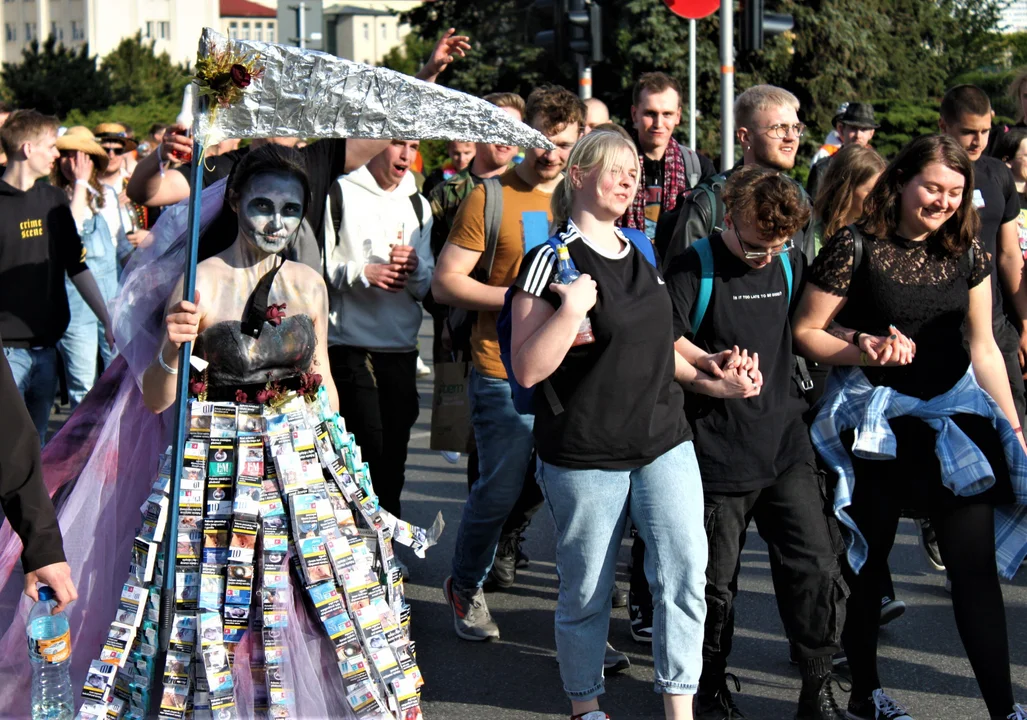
pixel 737 289
pixel 769 132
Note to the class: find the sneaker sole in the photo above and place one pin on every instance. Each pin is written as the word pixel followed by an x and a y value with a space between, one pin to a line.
pixel 930 560
pixel 456 624
pixel 894 613
pixel 646 639
pixel 618 666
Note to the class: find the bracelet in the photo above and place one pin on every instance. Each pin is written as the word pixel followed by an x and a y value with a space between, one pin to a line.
pixel 1018 430
pixel 855 338
pixel 864 359
pixel 167 368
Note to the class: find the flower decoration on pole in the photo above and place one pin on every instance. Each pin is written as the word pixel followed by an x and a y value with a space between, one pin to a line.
pixel 223 74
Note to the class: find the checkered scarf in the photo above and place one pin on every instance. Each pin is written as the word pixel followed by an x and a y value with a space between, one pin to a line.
pixel 674 181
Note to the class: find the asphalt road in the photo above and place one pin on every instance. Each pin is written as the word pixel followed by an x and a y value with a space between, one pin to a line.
pixel 922 660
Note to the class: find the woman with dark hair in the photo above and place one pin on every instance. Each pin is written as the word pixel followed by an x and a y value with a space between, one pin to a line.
pixel 938 433
pixel 851 174
pixel 267 196
pixel 1011 149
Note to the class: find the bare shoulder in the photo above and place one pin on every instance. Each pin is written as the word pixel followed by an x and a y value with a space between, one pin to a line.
pixel 303 276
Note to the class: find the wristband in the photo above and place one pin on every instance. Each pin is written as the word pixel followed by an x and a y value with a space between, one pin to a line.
pixel 863 358
pixel 855 338
pixel 1018 430
pixel 167 368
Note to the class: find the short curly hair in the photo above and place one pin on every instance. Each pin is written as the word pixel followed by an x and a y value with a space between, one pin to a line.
pixel 556 106
pixel 767 200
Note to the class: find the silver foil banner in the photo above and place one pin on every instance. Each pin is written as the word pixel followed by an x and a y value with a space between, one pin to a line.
pixel 305 93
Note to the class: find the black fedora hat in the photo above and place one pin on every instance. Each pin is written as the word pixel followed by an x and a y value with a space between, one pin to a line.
pixel 859 115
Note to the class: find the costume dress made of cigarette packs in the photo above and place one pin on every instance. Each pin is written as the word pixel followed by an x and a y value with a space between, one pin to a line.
pixel 288 602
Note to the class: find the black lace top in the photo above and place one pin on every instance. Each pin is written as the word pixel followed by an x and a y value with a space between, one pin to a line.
pixel 915 286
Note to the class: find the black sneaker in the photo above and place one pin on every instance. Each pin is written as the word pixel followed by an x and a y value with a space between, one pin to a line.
pixel 615 661
pixel 891 609
pixel 640 611
pixel 720 705
pixel 876 707
pixel 471 617
pixel 522 557
pixel 929 542
pixel 503 574
pixel 817 701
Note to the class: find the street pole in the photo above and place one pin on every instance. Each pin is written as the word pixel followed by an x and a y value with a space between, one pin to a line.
pixel 727 85
pixel 301 25
pixel 584 79
pixel 691 85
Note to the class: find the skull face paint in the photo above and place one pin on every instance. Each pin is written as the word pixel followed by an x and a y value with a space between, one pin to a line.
pixel 270 211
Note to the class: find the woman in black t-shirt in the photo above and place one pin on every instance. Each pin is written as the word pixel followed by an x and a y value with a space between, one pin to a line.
pixel 610 428
pixel 920 280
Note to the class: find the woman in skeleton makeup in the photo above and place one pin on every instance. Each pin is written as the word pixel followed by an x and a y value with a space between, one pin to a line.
pixel 256 319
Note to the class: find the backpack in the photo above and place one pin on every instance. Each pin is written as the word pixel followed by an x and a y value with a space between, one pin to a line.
pixel 702 301
pixel 523 398
pixel 693 169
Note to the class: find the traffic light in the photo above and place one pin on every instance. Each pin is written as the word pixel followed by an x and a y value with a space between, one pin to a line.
pixel 570 28
pixel 756 24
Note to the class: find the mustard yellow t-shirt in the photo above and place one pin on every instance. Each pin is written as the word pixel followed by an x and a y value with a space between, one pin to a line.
pixel 526 217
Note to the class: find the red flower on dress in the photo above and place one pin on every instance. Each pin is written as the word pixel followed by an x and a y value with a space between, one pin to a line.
pixel 240 76
pixel 309 383
pixel 197 387
pixel 241 397
pixel 275 313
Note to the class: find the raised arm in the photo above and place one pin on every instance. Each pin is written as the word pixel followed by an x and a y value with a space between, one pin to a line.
pixel 149 185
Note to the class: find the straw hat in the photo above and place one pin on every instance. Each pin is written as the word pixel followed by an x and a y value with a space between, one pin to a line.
pixel 115 131
pixel 79 138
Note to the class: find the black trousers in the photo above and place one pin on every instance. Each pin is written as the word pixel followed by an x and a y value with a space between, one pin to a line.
pixel 1008 342
pixel 804 544
pixel 528 502
pixel 966 538
pixel 378 400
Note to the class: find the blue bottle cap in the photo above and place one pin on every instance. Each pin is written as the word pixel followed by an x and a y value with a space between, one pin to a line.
pixel 46 593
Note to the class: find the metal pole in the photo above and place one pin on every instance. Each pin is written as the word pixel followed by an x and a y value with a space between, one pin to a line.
pixel 727 85
pixel 301 25
pixel 691 84
pixel 181 401
pixel 584 80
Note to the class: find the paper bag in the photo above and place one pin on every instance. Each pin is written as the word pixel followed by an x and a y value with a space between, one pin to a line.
pixel 450 407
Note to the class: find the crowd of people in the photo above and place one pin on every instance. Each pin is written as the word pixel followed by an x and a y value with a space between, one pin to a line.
pixel 657 349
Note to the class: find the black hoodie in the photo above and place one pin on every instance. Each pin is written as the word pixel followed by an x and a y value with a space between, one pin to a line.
pixel 38 244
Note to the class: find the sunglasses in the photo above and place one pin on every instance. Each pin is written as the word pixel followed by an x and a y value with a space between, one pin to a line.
pixel 114 149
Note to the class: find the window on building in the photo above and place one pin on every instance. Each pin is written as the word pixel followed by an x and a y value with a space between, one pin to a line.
pixel 149 28
pixel 270 32
pixel 53 30
pixel 12 32
pixel 164 29
pixel 77 32
pixel 245 31
pixel 258 32
pixel 28 32
pixel 367 31
pixel 385 30
pixel 233 30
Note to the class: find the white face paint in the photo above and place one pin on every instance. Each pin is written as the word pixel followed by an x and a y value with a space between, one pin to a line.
pixel 270 211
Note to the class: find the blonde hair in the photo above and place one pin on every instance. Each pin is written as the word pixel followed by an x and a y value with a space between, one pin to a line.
pixel 599 149
pixel 759 98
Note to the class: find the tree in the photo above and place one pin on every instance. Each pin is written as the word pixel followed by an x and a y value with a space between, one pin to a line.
pixel 408 57
pixel 54 79
pixel 139 75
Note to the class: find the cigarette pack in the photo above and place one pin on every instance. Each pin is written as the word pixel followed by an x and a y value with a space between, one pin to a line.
pixel 289 469
pixel 248 491
pixel 118 643
pixel 155 517
pixel 383 659
pixel 369 619
pixel 304 515
pixel 219 504
pixel 200 414
pixel 239 585
pixel 279 435
pixel 92 711
pixel 99 684
pixel 237 620
pixel 323 443
pixel 173 702
pixel 244 539
pixel 251 422
pixel 183 633
pixel 328 526
pixel 358 583
pixel 221 459
pixel 116 709
pixel 222 706
pixel 177 668
pixel 343 634
pixel 405 691
pixel 326 599
pixel 212 587
pixel 251 457
pixel 276 542
pixel 341 556
pixel 224 422
pixel 132 605
pixel 188 547
pixel 144 558
pixel 215 543
pixel 194 457
pixel 187 589
pixel 271 504
pixel 316 567
pixel 364 699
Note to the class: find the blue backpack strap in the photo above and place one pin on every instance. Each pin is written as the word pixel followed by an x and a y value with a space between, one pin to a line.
pixel 702 301
pixel 642 243
pixel 786 266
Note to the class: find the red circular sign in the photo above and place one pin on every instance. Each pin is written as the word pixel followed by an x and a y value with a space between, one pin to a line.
pixel 693 9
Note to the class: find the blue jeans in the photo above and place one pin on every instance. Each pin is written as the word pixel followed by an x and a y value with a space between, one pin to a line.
pixel 85 336
pixel 504 450
pixel 590 508
pixel 35 374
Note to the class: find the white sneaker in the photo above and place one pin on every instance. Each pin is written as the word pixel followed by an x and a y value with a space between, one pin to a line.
pixel 1019 713
pixel 422 369
pixel 451 457
pixel 876 707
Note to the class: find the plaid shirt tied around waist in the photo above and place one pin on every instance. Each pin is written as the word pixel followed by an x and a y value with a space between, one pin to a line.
pixel 851 402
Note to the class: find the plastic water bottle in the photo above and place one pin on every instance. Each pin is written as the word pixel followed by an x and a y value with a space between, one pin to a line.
pixel 566 273
pixel 50 652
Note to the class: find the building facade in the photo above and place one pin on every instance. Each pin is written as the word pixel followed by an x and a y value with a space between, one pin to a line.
pixel 248 20
pixel 175 25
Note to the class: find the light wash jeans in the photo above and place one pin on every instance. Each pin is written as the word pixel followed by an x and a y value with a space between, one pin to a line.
pixel 590 508
pixel 504 450
pixel 85 335
pixel 35 374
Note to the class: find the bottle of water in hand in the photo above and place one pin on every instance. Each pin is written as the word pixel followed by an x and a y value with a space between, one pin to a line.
pixel 566 273
pixel 49 640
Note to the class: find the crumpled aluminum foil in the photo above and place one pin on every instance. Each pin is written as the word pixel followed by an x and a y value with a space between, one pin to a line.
pixel 305 93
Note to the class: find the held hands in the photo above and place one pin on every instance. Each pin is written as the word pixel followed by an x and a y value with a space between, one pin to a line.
pixel 404 255
pixel 82 166
pixel 183 321
pixel 390 277
pixel 891 351
pixel 737 374
pixel 58 577
pixel 577 298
